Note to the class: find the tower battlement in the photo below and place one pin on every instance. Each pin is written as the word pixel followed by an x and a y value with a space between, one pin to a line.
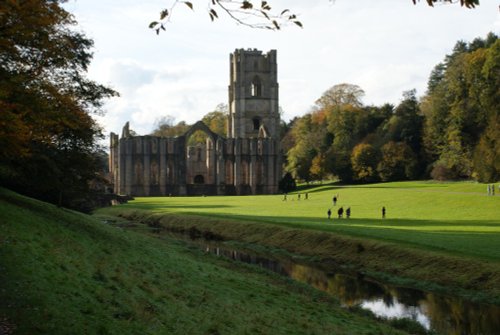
pixel 247 162
pixel 253 93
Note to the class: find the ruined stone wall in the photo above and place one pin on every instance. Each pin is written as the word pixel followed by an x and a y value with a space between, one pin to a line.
pixel 247 162
pixel 158 166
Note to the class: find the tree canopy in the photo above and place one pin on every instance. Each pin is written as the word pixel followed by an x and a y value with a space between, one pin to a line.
pixel 452 132
pixel 461 108
pixel 47 132
pixel 215 120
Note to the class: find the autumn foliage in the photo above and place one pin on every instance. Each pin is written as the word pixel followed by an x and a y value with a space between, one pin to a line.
pixel 451 133
pixel 47 132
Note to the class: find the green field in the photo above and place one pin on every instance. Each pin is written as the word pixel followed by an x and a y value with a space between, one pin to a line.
pixel 436 236
pixel 455 217
pixel 63 272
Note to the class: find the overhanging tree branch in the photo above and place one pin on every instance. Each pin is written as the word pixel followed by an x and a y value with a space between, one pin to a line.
pixel 249 13
pixel 259 14
pixel 466 3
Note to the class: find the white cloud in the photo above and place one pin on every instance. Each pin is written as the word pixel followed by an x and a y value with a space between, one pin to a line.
pixel 385 47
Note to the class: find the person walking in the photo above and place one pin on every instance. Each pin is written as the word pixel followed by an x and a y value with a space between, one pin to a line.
pixel 329 213
pixel 383 212
pixel 340 212
pixel 334 200
pixel 348 212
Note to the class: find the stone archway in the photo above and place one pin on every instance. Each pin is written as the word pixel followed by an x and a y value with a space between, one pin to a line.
pixel 200 160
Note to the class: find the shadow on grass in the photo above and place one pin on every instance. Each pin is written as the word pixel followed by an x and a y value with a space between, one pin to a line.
pixel 313 188
pixel 467 238
pixel 169 206
pixel 388 223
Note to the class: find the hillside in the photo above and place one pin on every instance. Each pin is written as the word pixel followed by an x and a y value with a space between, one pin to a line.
pixel 66 273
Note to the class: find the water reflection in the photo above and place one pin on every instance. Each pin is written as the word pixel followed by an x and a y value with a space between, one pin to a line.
pixel 443 314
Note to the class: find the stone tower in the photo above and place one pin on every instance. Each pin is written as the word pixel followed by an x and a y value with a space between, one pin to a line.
pixel 253 94
pixel 247 162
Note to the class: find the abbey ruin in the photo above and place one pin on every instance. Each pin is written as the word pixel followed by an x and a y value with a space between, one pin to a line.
pixel 248 161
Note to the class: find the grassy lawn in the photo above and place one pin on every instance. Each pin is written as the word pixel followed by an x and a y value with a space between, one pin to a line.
pixel 66 273
pixel 456 218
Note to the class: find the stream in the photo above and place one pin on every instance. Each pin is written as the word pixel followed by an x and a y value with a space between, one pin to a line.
pixel 440 313
pixel 443 314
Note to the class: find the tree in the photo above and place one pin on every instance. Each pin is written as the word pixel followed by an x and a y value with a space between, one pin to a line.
pixel 287 183
pixel 407 122
pixel 300 156
pixel 317 169
pixel 342 123
pixel 436 77
pixel 165 127
pixel 460 105
pixel 398 162
pixel 341 95
pixel 487 153
pixel 339 164
pixel 47 131
pixel 372 124
pixel 364 160
pixel 217 120
pixel 455 157
pixel 321 141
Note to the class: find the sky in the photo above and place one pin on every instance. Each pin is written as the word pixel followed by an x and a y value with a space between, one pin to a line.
pixel 386 47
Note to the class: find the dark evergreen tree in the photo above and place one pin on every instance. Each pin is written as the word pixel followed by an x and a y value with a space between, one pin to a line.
pixel 287 183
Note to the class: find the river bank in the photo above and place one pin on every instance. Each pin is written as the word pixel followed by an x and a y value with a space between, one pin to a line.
pixel 63 272
pixel 431 270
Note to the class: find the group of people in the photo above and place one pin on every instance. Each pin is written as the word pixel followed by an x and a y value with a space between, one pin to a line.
pixel 340 211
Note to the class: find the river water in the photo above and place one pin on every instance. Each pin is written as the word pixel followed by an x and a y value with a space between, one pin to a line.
pixel 442 314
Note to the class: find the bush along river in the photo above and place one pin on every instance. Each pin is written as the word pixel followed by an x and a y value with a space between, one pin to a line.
pixel 436 313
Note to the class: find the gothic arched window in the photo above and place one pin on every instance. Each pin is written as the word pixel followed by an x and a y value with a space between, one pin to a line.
pixel 256 87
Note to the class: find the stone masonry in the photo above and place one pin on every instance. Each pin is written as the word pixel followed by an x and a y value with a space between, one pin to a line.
pixel 247 162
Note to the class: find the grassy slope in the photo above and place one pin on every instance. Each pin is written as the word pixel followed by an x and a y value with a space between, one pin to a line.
pixel 64 273
pixel 452 228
